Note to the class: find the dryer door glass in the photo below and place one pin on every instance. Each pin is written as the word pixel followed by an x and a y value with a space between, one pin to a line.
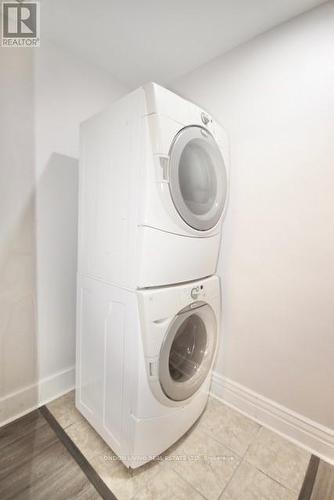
pixel 187 352
pixel 197 178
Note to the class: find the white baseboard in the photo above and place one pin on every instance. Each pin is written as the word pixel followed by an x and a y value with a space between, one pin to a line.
pixel 29 398
pixel 312 436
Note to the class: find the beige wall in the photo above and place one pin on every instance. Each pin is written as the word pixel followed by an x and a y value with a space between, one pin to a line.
pixel 275 96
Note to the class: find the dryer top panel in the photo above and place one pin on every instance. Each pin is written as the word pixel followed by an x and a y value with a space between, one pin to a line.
pixel 164 102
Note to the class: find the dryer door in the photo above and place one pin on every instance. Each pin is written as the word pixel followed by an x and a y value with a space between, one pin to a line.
pixel 187 352
pixel 197 178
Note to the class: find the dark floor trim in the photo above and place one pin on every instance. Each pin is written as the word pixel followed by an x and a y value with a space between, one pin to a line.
pixel 311 474
pixel 85 466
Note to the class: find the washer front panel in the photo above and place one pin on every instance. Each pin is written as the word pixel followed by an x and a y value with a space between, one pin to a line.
pixel 197 177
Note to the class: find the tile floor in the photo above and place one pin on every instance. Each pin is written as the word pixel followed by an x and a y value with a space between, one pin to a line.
pixel 239 459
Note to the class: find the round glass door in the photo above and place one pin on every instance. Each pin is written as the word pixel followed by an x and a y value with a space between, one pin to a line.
pixel 197 178
pixel 187 352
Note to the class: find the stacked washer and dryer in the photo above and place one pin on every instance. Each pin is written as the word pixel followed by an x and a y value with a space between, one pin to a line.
pixel 152 197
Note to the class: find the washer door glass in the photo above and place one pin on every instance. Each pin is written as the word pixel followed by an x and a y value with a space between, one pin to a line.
pixel 187 352
pixel 198 178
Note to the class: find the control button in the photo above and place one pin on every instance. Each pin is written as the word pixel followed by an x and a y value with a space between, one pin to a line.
pixel 194 292
pixel 205 118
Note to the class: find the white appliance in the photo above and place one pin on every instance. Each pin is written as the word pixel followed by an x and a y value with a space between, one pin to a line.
pixel 153 191
pixel 144 361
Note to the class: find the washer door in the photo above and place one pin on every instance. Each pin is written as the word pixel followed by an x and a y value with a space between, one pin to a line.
pixel 197 178
pixel 187 352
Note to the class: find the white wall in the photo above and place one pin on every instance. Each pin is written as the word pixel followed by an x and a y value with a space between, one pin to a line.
pixel 275 96
pixel 46 93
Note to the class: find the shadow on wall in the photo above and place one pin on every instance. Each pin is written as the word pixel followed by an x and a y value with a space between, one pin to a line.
pixel 32 290
pixel 57 215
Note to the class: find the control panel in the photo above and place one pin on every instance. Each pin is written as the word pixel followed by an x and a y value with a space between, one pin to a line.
pixel 199 291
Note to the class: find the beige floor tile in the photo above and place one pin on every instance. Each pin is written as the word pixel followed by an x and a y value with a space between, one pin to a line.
pixel 203 462
pixel 167 485
pixel 228 426
pixel 248 483
pixel 123 482
pixel 64 410
pixel 87 440
pixel 280 459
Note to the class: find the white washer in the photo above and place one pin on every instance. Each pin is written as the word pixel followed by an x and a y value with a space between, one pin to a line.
pixel 153 191
pixel 144 362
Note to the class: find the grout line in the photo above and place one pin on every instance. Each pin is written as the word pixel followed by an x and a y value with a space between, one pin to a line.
pixel 80 459
pixel 232 476
pixel 238 457
pixel 242 455
pixel 221 443
pixel 282 485
pixel 201 426
pixel 188 482
pixel 209 433
pixel 245 459
pixel 242 460
pixel 254 438
pixel 279 482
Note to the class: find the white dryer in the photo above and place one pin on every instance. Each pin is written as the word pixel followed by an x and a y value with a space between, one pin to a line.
pixel 153 191
pixel 191 154
pixel 144 362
